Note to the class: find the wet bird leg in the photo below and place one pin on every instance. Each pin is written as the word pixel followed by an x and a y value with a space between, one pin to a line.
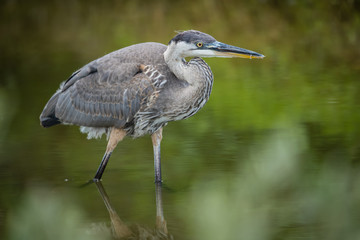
pixel 156 140
pixel 116 135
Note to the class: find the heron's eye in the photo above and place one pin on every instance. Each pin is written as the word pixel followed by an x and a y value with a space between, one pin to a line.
pixel 199 44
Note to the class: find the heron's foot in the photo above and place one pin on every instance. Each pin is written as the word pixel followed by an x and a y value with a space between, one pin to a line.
pixel 158 181
pixel 96 180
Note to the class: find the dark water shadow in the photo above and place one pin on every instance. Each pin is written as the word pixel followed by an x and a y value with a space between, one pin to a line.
pixel 122 230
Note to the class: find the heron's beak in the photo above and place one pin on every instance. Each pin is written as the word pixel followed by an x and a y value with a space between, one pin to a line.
pixel 225 50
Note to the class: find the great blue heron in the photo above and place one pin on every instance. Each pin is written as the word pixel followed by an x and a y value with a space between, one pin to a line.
pixel 138 89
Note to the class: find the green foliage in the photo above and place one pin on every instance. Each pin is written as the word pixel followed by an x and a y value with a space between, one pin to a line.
pixel 44 215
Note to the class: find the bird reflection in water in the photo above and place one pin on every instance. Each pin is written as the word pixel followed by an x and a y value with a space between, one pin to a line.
pixel 120 230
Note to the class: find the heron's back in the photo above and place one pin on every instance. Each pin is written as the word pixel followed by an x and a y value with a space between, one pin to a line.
pixel 107 91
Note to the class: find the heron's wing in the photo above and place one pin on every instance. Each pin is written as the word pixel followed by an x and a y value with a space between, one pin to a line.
pixel 122 64
pixel 99 96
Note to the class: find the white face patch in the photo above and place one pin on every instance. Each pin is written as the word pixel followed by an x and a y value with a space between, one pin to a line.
pixel 183 50
pixel 202 53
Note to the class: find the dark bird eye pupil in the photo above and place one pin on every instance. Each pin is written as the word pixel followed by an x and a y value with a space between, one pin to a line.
pixel 199 44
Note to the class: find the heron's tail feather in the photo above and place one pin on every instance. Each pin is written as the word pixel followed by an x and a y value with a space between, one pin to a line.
pixel 47 117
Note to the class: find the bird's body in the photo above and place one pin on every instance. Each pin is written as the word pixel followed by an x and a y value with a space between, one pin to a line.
pixel 137 90
pixel 115 92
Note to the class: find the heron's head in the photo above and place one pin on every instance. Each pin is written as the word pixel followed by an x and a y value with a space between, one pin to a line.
pixel 197 44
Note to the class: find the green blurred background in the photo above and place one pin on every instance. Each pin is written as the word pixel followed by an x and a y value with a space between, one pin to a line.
pixel 274 154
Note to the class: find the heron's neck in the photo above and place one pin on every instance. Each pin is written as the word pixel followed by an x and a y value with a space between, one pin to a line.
pixel 184 70
pixel 199 76
pixel 176 63
pixel 196 72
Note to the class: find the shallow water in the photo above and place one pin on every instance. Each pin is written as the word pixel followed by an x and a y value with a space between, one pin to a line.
pixel 274 154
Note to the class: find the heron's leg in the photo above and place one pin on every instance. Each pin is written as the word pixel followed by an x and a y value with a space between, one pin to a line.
pixel 116 135
pixel 156 140
pixel 160 220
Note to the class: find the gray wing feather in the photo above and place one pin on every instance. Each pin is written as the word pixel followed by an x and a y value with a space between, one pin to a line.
pixel 109 91
pixel 103 99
